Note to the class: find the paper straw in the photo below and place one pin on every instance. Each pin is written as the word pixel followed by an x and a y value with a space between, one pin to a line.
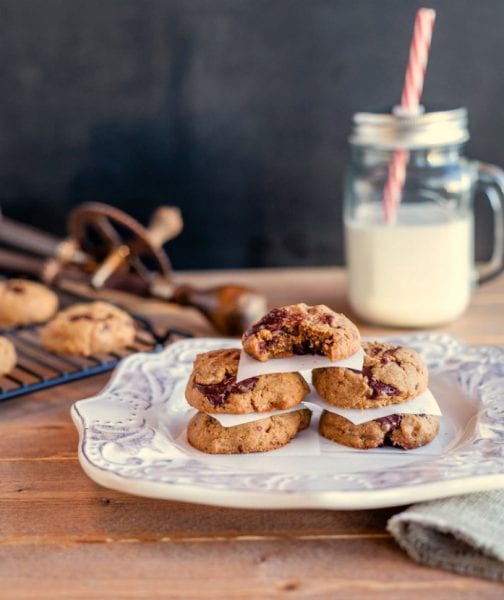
pixel 418 57
pixel 392 192
pixel 410 103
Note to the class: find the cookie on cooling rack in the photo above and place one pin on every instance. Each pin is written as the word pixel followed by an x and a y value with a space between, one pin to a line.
pixel 212 386
pixel 8 356
pixel 400 430
pixel 302 329
pixel 25 302
pixel 205 433
pixel 391 374
pixel 88 328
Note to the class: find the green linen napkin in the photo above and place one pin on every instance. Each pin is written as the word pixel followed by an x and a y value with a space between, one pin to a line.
pixel 462 533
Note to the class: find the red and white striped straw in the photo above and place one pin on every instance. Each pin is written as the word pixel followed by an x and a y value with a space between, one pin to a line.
pixel 410 103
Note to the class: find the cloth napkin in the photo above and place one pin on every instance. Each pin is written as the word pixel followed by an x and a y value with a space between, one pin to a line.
pixel 462 533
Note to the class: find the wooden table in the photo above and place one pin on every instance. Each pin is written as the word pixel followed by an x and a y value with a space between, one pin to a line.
pixel 63 536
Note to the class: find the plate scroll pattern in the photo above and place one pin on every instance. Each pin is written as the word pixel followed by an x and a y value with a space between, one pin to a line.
pixel 119 436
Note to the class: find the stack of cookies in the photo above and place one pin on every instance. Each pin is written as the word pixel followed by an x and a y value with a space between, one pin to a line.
pixel 391 375
pixel 213 388
pixel 386 375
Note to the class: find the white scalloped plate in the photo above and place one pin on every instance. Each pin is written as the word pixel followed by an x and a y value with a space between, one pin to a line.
pixel 128 439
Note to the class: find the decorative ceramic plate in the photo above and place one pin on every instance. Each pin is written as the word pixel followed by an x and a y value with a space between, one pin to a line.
pixel 132 439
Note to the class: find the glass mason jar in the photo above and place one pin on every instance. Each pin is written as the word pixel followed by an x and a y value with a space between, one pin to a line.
pixel 417 268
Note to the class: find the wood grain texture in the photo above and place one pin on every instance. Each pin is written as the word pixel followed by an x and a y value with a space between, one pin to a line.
pixel 63 536
pixel 228 569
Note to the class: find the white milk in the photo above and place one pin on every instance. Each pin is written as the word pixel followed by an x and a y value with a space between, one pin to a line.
pixel 415 273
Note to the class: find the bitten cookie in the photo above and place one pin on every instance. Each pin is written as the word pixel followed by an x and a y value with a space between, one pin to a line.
pixel 8 356
pixel 390 375
pixel 25 302
pixel 212 386
pixel 403 431
pixel 301 329
pixel 206 433
pixel 85 329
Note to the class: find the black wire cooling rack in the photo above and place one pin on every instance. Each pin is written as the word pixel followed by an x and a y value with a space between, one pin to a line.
pixel 38 369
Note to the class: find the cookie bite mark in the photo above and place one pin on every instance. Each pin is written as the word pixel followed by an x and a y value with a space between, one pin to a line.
pixel 300 329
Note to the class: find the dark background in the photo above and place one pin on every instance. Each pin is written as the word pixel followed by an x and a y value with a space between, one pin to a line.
pixel 238 111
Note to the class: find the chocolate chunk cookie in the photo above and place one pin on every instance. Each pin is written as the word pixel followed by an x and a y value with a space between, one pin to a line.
pixel 85 329
pixel 390 375
pixel 403 431
pixel 206 433
pixel 25 302
pixel 212 386
pixel 8 356
pixel 302 329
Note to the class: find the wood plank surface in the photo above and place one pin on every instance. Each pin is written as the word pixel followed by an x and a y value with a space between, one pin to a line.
pixel 363 568
pixel 63 536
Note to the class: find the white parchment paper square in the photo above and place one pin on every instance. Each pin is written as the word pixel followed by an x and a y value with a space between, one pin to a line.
pixel 250 367
pixel 424 404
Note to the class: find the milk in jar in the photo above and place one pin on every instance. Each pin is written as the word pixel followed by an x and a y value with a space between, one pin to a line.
pixel 413 273
pixel 410 254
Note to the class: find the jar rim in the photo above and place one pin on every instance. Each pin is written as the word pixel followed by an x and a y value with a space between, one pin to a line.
pixel 410 131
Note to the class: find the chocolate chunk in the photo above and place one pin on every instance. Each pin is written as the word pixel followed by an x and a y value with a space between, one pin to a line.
pixel 17 289
pixel 81 317
pixel 390 422
pixel 377 386
pixel 273 321
pixel 218 393
pixel 89 317
pixel 327 319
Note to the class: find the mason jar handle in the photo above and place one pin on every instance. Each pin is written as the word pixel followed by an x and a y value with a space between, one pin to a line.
pixel 491 180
